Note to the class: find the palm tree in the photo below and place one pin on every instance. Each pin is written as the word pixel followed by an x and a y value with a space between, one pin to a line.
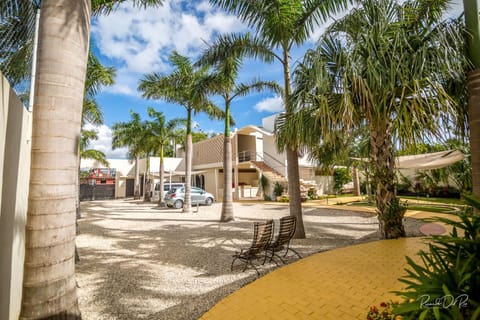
pixel 49 288
pixel 225 86
pixel 279 25
pixel 188 87
pixel 472 9
pixel 384 66
pixel 131 134
pixel 159 134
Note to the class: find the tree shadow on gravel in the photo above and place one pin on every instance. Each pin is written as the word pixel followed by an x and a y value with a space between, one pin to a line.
pixel 140 264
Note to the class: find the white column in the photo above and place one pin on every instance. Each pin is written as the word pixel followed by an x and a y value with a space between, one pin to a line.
pixel 235 167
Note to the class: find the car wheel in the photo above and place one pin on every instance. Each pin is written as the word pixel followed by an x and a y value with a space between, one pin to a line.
pixel 209 201
pixel 178 204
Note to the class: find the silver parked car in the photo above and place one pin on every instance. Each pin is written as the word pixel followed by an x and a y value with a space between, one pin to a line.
pixel 175 197
pixel 166 187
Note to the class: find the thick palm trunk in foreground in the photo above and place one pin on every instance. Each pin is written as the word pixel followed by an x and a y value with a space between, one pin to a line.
pixel 49 289
pixel 389 213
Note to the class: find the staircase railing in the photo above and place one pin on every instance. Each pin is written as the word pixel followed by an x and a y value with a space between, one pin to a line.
pixel 275 164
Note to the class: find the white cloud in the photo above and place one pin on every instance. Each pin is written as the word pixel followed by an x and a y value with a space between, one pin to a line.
pixel 139 41
pixel 204 6
pixel 223 23
pixel 274 104
pixel 126 83
pixel 104 142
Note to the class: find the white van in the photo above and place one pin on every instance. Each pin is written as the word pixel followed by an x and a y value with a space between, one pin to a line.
pixel 166 187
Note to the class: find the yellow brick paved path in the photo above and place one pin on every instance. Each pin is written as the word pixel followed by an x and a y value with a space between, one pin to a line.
pixel 339 284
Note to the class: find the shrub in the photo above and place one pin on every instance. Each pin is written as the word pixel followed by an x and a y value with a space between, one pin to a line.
pixel 404 185
pixel 445 285
pixel 263 184
pixel 278 189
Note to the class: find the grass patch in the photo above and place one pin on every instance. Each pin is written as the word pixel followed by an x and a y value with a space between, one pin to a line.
pixel 438 200
pixel 432 209
pixel 420 207
pixel 344 195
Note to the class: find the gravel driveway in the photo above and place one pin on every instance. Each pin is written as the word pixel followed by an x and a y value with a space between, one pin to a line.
pixel 143 262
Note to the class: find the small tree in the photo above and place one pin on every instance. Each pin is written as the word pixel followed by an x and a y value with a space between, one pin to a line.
pixel 278 189
pixel 341 176
pixel 132 135
pixel 159 132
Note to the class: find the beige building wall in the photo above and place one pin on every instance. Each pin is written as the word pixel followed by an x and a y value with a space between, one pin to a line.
pixel 208 151
pixel 15 136
pixel 247 143
pixel 211 185
pixel 270 153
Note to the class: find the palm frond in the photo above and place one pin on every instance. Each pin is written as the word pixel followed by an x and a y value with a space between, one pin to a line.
pixel 97 75
pixel 95 155
pixel 234 45
pixel 243 89
pixel 314 14
pixel 100 7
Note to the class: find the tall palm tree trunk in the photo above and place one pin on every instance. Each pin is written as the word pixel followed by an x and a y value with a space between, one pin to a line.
pixel 161 171
pixel 136 191
pixel 295 202
pixel 474 118
pixel 389 213
pixel 187 204
pixel 472 21
pixel 49 288
pixel 227 202
pixel 146 186
pixel 294 192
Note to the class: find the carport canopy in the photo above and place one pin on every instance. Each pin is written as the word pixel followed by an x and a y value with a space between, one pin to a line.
pixel 426 161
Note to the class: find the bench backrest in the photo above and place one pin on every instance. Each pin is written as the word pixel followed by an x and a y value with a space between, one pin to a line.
pixel 262 235
pixel 286 230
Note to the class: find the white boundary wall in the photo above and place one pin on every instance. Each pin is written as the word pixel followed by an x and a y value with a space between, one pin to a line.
pixel 15 137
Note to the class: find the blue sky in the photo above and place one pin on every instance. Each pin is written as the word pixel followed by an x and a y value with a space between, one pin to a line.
pixel 137 42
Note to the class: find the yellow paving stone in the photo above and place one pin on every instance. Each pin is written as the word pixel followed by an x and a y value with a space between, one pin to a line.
pixel 336 284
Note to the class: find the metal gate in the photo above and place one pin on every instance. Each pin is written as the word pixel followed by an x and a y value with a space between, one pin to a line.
pixel 97 192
